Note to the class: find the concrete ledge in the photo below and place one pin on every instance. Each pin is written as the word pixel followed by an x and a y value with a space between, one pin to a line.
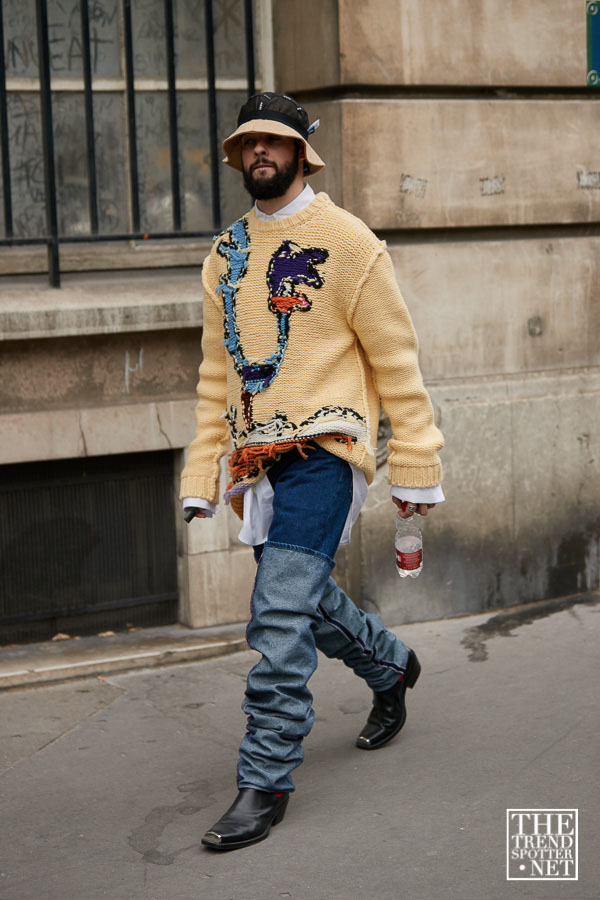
pixel 100 303
pixel 66 433
pixel 51 662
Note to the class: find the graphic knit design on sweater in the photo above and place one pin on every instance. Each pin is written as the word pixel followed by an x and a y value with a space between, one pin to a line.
pixel 304 330
pixel 289 267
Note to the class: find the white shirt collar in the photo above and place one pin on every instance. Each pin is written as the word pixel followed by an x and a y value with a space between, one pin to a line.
pixel 296 206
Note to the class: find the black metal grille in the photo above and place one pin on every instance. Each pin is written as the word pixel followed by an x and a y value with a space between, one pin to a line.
pixel 87 544
pixel 53 236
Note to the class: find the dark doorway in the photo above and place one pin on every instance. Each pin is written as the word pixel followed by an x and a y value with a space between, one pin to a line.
pixel 87 545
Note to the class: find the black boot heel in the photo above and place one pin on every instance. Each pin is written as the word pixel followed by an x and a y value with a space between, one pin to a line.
pixel 413 672
pixel 281 813
pixel 388 714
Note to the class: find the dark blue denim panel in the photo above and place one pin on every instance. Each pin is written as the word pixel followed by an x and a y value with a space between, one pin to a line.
pixel 258 549
pixel 311 500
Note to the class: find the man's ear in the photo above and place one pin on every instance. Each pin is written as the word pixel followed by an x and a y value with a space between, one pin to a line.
pixel 302 158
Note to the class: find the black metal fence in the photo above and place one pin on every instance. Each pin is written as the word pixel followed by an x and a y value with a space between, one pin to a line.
pixel 53 236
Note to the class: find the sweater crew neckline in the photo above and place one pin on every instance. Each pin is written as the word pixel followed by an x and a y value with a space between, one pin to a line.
pixel 320 201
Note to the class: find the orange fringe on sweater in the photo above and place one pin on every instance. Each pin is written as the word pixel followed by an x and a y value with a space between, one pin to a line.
pixel 243 462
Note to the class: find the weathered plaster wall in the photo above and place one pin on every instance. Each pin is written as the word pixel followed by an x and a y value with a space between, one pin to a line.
pixel 392 43
pixel 439 163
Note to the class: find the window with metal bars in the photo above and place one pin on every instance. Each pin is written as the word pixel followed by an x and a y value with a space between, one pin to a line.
pixel 87 544
pixel 112 113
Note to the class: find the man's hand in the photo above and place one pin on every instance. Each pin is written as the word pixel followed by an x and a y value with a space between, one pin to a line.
pixel 421 508
pixel 192 512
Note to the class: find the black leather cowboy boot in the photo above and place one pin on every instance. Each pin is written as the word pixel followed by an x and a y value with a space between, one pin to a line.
pixel 248 820
pixel 388 714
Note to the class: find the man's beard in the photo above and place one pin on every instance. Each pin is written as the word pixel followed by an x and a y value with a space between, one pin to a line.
pixel 276 185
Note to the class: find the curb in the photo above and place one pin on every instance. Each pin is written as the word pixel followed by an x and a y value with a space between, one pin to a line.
pixel 38 664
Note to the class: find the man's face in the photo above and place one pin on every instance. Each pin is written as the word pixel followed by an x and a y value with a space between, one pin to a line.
pixel 269 164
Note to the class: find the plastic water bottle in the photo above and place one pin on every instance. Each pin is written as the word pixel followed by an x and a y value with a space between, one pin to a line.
pixel 409 546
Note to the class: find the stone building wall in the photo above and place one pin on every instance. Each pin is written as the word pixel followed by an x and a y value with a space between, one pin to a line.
pixel 465 136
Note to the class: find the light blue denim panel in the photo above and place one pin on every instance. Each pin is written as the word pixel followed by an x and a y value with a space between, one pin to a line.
pixel 296 607
pixel 289 585
pixel 359 639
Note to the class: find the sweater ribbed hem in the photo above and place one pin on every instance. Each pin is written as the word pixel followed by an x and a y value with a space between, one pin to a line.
pixel 415 476
pixel 201 487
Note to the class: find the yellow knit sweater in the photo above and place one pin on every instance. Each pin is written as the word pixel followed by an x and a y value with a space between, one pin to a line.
pixel 304 330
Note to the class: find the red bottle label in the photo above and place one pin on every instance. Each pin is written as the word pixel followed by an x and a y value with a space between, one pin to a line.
pixel 409 561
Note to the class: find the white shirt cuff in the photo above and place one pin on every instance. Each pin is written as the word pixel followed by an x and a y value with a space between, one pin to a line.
pixel 210 508
pixel 419 495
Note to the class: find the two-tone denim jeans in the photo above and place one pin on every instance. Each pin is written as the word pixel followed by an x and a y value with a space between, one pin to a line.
pixel 297 607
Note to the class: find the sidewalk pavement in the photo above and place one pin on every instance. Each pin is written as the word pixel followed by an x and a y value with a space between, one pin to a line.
pixel 108 783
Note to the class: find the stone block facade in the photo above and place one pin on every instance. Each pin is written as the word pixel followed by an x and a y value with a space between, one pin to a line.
pixel 465 136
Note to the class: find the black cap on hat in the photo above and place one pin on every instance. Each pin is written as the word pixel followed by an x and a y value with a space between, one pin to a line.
pixel 276 108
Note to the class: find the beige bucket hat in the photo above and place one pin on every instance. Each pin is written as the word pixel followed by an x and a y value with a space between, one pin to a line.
pixel 274 114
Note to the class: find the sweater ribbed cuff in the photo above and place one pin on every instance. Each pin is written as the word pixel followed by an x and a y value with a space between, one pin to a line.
pixel 199 486
pixel 415 476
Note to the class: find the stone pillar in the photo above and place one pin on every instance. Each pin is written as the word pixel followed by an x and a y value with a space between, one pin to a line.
pixel 216 570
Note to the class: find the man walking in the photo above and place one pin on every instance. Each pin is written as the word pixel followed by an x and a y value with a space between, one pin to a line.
pixel 304 330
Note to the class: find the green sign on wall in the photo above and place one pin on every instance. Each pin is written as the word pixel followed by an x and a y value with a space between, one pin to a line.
pixel 593 44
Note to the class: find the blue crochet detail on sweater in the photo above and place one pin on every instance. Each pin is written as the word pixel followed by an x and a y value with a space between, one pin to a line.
pixel 289 267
